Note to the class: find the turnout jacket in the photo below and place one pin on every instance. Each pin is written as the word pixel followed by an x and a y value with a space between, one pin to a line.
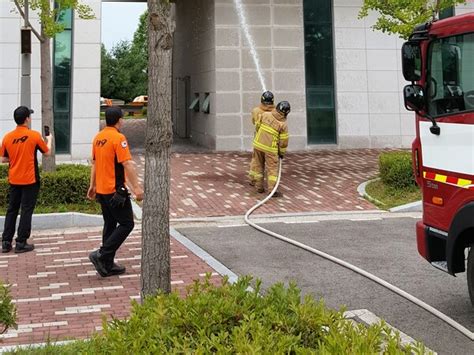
pixel 272 133
pixel 258 111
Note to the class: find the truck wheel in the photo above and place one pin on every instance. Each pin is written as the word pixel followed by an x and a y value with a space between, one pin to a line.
pixel 470 273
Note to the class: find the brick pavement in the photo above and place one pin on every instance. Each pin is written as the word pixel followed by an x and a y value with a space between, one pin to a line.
pixel 214 184
pixel 60 296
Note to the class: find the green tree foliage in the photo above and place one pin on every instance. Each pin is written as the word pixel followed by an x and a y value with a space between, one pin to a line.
pixel 401 16
pixel 124 68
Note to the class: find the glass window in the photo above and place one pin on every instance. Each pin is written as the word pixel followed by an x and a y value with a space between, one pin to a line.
pixel 449 12
pixel 450 80
pixel 62 71
pixel 319 59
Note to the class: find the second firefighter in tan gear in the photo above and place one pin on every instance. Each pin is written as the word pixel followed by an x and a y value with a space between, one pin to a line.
pixel 266 105
pixel 270 143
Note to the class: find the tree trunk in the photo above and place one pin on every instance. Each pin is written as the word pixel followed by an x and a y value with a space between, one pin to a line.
pixel 155 269
pixel 49 163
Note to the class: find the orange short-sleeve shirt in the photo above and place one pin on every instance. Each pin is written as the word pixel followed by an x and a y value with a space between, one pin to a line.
pixel 20 146
pixel 109 150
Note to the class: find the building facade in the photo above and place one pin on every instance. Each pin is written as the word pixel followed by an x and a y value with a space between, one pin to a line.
pixel 342 79
pixel 76 78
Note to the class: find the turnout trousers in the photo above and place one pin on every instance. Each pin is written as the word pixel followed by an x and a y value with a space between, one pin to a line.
pixel 265 162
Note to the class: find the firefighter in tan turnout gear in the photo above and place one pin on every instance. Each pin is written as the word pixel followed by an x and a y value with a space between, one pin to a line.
pixel 270 143
pixel 266 105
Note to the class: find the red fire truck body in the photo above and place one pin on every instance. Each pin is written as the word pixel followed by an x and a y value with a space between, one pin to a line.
pixel 439 58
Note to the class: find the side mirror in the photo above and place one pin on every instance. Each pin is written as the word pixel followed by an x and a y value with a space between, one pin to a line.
pixel 411 61
pixel 414 98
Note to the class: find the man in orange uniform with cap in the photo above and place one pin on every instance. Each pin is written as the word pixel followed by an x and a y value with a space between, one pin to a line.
pixel 112 169
pixel 266 105
pixel 19 148
pixel 270 143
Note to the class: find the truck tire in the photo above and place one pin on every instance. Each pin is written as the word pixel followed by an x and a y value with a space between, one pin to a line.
pixel 470 273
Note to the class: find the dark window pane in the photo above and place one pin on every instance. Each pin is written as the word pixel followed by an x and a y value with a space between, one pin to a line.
pixel 450 79
pixel 319 59
pixel 65 17
pixel 62 84
pixel 62 132
pixel 449 12
pixel 61 99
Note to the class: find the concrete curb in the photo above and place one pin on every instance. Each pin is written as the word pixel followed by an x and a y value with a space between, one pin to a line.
pixel 62 220
pixel 416 206
pixel 364 194
pixel 409 207
pixel 204 255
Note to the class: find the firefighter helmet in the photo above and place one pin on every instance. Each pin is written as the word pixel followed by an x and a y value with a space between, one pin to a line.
pixel 284 107
pixel 267 98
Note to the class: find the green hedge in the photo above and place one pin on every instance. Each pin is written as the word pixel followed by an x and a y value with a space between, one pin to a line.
pixel 396 169
pixel 232 320
pixel 67 185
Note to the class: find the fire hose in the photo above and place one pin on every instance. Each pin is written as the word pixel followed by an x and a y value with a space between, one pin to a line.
pixel 349 266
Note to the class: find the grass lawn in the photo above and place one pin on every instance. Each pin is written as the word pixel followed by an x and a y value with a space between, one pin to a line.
pixel 391 197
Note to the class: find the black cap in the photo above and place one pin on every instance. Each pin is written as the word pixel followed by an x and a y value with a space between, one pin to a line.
pixel 21 113
pixel 113 115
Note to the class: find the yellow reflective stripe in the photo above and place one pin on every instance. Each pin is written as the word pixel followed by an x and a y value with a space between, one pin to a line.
pixel 464 182
pixel 284 136
pixel 282 150
pixel 272 178
pixel 265 148
pixel 440 178
pixel 255 174
pixel 269 129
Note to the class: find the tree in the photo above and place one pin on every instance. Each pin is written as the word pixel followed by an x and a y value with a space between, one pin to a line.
pixel 401 16
pixel 50 13
pixel 107 72
pixel 124 68
pixel 155 269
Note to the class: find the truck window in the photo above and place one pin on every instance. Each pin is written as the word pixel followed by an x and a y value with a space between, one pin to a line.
pixel 450 76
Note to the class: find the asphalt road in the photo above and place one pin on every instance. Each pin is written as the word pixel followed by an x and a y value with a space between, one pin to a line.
pixel 384 247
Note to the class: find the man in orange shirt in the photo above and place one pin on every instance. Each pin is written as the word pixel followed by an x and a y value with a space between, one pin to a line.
pixel 19 148
pixel 112 169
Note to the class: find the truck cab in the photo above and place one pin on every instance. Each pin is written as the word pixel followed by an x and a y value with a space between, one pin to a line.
pixel 438 59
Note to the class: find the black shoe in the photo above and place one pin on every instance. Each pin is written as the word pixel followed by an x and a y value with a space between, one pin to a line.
pixel 277 194
pixel 116 270
pixel 6 246
pixel 23 247
pixel 99 265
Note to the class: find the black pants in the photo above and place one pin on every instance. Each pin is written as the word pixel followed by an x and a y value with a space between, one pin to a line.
pixel 20 197
pixel 113 236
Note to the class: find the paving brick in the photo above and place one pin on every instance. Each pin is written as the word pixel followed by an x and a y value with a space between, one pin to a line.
pixel 70 301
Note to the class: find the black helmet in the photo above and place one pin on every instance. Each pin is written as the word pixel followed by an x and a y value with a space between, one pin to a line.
pixel 267 98
pixel 284 107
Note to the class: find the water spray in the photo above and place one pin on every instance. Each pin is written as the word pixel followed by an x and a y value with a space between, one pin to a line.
pixel 253 52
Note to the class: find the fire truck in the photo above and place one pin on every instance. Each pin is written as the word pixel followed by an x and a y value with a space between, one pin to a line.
pixel 438 60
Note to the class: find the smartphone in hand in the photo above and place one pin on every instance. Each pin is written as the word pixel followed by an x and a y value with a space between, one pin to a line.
pixel 46 131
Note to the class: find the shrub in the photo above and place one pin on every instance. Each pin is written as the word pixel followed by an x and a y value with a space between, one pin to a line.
pixel 232 320
pixel 396 169
pixel 67 185
pixel 3 171
pixel 144 111
pixel 7 309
